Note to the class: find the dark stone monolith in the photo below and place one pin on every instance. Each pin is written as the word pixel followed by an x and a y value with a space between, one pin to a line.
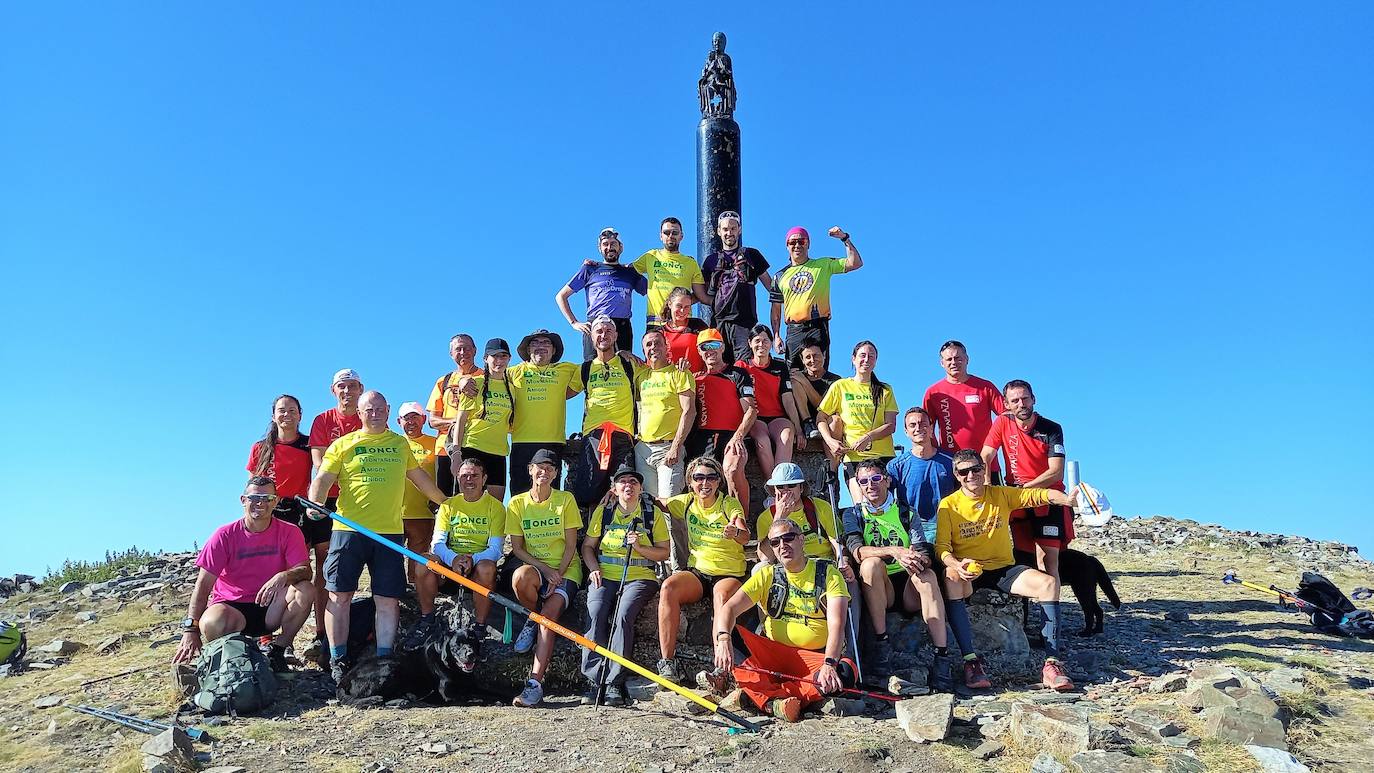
pixel 718 157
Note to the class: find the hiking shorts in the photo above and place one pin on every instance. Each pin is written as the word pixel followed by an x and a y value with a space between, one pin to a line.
pixel 495 464
pixel 799 335
pixel 1001 579
pixel 520 456
pixel 708 582
pixel 351 552
pixel 292 511
pixel 1050 526
pixel 256 617
pixel 710 442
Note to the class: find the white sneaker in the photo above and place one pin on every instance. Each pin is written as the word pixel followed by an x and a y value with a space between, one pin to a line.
pixel 525 641
pixel 530 696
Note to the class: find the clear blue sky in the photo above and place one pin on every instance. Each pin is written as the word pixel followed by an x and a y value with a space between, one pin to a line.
pixel 1159 214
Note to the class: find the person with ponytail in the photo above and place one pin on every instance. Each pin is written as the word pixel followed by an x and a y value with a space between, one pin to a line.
pixel 680 329
pixel 867 414
pixel 482 427
pixel 283 455
pixel 778 427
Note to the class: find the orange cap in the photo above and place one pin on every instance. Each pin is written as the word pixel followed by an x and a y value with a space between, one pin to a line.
pixel 709 335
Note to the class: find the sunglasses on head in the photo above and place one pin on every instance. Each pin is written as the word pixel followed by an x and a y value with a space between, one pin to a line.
pixel 876 477
pixel 777 541
pixel 962 471
pixel 701 476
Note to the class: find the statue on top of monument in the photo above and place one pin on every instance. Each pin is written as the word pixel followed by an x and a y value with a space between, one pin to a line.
pixel 717 84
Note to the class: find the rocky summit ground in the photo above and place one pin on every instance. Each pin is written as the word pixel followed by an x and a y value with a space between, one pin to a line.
pixel 1190 675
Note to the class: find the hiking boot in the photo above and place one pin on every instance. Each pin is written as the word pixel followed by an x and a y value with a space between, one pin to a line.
pixel 525 641
pixel 615 696
pixel 1053 677
pixel 276 657
pixel 810 430
pixel 589 697
pixel 975 676
pixel 942 674
pixel 881 662
pixel 318 652
pixel 667 668
pixel 532 695
pixel 786 709
pixel 420 632
pixel 338 667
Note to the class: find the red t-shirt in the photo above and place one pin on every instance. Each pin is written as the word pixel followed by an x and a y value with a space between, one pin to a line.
pixel 243 562
pixel 770 384
pixel 330 426
pixel 718 396
pixel 683 343
pixel 1027 452
pixel 290 466
pixel 964 412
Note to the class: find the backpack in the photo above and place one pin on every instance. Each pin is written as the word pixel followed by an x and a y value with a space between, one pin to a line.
pixel 1319 591
pixel 629 376
pixel 776 605
pixel 234 677
pixel 13 644
pixel 646 517
pixel 809 510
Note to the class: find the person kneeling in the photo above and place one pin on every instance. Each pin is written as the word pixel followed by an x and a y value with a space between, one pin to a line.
pixel 895 568
pixel 618 554
pixel 255 574
pixel 804 602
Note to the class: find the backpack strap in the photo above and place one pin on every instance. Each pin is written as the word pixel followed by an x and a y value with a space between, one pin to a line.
pixel 776 605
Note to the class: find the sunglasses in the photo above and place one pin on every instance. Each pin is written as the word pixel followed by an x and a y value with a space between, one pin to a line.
pixel 777 541
pixel 259 499
pixel 962 471
pixel 709 346
pixel 702 476
pixel 875 478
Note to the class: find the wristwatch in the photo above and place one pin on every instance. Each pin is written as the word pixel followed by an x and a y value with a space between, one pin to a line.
pixel 190 624
pixel 833 663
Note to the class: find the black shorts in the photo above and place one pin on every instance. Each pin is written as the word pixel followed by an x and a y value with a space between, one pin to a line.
pixel 800 335
pixel 850 467
pixel 292 511
pixel 708 582
pixel 1001 579
pixel 443 474
pixel 899 582
pixel 520 456
pixel 624 338
pixel 256 617
pixel 1052 530
pixel 350 551
pixel 708 442
pixel 766 419
pixel 586 480
pixel 496 465
pixel 736 340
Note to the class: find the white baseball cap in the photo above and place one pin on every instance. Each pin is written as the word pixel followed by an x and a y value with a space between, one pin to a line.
pixel 409 408
pixel 347 374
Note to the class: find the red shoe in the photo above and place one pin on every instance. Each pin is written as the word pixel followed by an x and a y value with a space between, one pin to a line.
pixel 1053 677
pixel 975 676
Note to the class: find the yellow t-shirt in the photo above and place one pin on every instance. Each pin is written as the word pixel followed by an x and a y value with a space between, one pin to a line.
pixel 806 289
pixel 542 524
pixel 470 524
pixel 803 622
pixel 660 410
pixel 817 546
pixel 981 528
pixel 610 395
pixel 853 403
pixel 415 504
pixel 666 270
pixel 541 400
pixel 709 551
pixel 488 432
pixel 611 551
pixel 443 400
pixel 372 478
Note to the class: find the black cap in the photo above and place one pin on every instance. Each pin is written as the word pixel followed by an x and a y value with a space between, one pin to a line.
pixel 497 346
pixel 626 469
pixel 545 456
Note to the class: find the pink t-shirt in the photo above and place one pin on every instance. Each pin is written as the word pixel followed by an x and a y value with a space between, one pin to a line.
pixel 243 562
pixel 963 412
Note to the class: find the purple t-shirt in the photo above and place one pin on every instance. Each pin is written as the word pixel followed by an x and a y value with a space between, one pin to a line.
pixel 243 562
pixel 730 277
pixel 609 288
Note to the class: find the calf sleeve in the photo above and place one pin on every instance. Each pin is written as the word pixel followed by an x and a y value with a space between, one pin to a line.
pixel 957 612
pixel 1051 629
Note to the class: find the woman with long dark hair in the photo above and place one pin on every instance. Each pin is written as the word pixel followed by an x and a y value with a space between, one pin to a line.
pixel 482 426
pixel 778 427
pixel 867 411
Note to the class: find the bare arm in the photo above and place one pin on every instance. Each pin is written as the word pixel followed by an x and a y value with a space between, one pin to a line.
pixel 592 559
pixel 569 550
pixel 852 260
pixel 989 454
pixel 1051 476
pixel 190 638
pixel 426 485
pixel 751 412
pixel 460 428
pixel 723 623
pixel 879 432
pixel 699 292
pixel 562 299
pixel 319 487
pixel 687 400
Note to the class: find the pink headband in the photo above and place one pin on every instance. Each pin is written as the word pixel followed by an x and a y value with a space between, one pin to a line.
pixel 798 230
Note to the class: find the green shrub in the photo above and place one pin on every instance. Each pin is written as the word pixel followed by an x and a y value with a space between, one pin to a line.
pixel 97 571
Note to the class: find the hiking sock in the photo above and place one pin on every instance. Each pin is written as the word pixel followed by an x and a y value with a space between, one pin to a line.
pixel 958 620
pixel 337 653
pixel 880 636
pixel 383 651
pixel 1051 629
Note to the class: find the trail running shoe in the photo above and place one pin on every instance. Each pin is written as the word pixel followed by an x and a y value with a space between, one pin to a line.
pixel 942 673
pixel 589 697
pixel 419 633
pixel 786 709
pixel 276 657
pixel 975 676
pixel 525 641
pixel 1053 677
pixel 338 667
pixel 615 696
pixel 530 696
pixel 809 427
pixel 667 668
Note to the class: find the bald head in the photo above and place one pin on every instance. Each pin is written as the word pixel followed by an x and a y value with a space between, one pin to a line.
pixel 374 410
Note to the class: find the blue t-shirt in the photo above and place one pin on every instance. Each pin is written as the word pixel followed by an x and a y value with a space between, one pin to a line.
pixel 922 483
pixel 609 288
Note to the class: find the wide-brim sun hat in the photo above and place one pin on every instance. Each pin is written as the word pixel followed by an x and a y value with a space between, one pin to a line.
pixel 524 348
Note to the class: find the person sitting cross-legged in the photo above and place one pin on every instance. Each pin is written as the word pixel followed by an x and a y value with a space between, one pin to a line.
pixel 254 579
pixel 973 540
pixel 804 603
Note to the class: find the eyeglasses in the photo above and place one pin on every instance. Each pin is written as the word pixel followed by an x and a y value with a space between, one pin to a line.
pixel 704 476
pixel 875 478
pixel 963 471
pixel 777 541
pixel 259 499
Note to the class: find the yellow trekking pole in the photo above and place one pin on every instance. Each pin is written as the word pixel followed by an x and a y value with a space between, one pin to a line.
pixel 317 512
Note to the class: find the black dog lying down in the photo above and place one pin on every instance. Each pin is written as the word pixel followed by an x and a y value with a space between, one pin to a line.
pixel 440 671
pixel 1084 574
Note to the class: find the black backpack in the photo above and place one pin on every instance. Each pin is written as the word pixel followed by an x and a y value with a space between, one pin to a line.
pixel 1319 591
pixel 776 605
pixel 645 517
pixel 629 376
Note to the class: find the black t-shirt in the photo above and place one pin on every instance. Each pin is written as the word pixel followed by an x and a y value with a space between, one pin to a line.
pixel 730 278
pixel 822 384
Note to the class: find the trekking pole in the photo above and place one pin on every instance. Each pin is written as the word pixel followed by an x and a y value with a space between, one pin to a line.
pixel 317 511
pixel 615 615
pixel 90 682
pixel 137 723
pixel 851 622
pixel 1302 605
pixel 871 691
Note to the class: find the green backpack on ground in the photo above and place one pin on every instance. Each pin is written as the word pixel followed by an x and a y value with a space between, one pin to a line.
pixel 13 645
pixel 234 677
